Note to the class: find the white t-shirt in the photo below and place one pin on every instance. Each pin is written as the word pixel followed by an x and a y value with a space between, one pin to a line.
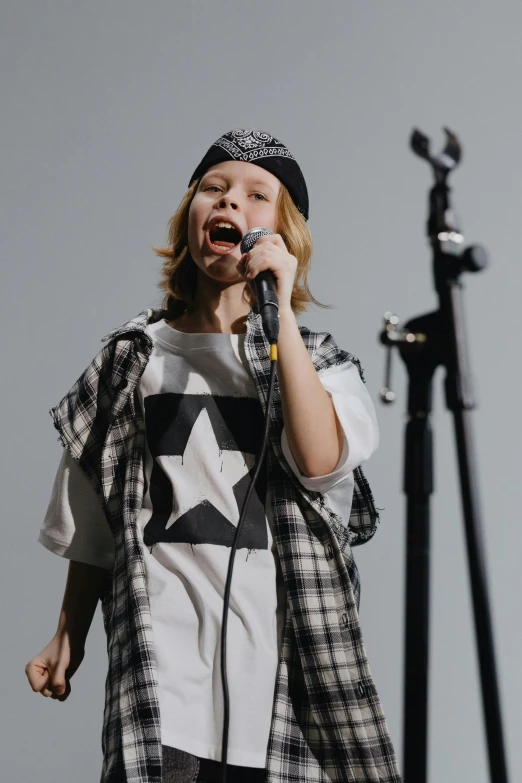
pixel 204 426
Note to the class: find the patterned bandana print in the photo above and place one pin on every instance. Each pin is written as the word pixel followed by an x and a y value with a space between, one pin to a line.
pixel 262 149
pixel 327 722
pixel 248 145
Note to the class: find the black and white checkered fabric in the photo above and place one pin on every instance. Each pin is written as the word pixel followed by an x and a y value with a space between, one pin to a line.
pixel 327 721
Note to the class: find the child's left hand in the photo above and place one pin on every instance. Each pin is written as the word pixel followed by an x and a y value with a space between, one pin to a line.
pixel 270 252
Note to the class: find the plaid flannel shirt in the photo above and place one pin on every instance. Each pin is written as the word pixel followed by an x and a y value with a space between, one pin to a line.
pixel 327 721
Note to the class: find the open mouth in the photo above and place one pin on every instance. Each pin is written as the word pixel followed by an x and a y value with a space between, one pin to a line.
pixel 222 237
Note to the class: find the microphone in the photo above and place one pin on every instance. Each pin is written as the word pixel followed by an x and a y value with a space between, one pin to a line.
pixel 264 286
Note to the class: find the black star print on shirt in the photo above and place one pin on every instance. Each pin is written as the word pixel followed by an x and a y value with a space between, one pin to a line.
pixel 201 508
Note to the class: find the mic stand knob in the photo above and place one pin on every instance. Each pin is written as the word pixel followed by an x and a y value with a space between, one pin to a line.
pixel 390 336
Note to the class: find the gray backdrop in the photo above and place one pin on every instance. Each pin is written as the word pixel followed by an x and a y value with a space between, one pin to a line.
pixel 106 109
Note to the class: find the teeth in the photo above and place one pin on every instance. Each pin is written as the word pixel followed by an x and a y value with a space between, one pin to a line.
pixel 222 224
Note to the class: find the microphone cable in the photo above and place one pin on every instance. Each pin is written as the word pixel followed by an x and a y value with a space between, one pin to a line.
pixel 226 712
pixel 264 287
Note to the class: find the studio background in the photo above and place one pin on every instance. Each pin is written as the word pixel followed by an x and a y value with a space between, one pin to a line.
pixel 106 110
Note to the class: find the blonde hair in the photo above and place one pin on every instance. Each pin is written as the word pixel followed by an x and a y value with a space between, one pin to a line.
pixel 179 272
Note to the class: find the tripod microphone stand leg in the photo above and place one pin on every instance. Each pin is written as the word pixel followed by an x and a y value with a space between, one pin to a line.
pixel 479 590
pixel 418 486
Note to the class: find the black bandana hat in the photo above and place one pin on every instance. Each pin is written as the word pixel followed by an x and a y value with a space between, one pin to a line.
pixel 263 150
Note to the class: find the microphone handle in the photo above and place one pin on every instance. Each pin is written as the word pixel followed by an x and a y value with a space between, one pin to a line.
pixel 265 288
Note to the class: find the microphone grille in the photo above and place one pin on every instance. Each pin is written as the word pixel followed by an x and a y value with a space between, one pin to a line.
pixel 251 237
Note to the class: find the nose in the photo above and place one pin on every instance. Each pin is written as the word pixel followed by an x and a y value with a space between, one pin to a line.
pixel 224 201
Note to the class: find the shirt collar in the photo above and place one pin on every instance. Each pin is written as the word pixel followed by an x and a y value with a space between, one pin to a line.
pixel 139 322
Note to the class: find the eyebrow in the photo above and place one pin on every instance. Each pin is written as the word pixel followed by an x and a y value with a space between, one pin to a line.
pixel 251 179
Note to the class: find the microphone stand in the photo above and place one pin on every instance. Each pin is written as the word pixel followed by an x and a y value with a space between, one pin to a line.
pixel 424 343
